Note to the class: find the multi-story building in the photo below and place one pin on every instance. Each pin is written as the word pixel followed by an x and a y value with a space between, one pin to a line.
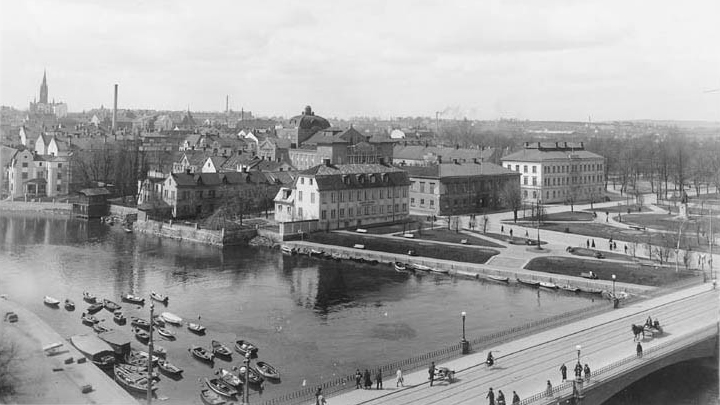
pixel 457 188
pixel 33 175
pixel 342 196
pixel 559 172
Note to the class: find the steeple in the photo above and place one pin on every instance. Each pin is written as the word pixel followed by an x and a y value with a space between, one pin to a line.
pixel 44 90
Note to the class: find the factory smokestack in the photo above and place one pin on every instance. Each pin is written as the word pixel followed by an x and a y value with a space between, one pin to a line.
pixel 114 116
pixel 227 104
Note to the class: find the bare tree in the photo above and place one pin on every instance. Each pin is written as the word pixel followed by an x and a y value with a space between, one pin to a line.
pixel 8 370
pixel 512 198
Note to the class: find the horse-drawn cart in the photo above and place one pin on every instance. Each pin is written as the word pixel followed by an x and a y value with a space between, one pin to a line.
pixel 444 373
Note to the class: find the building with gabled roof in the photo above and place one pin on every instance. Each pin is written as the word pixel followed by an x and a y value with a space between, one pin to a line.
pixel 343 196
pixel 457 188
pixel 558 172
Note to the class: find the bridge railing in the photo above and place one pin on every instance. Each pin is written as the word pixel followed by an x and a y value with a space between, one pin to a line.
pixel 623 366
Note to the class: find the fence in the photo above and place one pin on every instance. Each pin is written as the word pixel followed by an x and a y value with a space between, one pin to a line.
pixel 620 367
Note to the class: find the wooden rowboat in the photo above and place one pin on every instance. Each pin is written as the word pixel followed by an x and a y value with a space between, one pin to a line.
pixel 220 387
pixel 69 304
pixel 530 283
pixel 266 370
pixel 209 397
pixel 89 298
pixel 165 333
pixel 220 349
pixel 88 319
pixel 51 302
pixel 169 368
pixel 171 318
pixel 201 354
pixel 111 306
pixel 159 297
pixel 133 299
pixel 95 307
pixel 244 347
pixel 499 279
pixel 196 328
pixel 229 378
pixel 548 285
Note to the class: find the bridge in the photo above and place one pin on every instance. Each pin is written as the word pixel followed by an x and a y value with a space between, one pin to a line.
pixel 689 318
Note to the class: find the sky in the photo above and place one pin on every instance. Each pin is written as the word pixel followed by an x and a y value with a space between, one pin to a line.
pixel 540 60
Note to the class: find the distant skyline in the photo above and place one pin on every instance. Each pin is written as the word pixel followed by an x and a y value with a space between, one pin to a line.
pixel 550 60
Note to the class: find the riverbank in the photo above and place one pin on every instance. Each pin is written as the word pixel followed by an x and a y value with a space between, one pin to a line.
pixel 45 379
pixel 41 208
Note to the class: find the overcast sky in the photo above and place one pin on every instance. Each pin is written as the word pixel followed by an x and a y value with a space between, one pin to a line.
pixel 544 60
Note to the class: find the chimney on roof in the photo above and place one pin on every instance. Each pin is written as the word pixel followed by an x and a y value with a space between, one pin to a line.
pixel 114 114
pixel 326 161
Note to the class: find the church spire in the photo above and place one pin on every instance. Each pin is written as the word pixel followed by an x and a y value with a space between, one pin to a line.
pixel 44 89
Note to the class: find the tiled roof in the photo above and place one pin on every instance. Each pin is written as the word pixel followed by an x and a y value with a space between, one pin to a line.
pixel 417 152
pixel 352 176
pixel 216 179
pixel 94 191
pixel 458 170
pixel 539 155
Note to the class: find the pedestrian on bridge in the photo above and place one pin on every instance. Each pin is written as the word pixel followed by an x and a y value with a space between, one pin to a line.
pixel 378 380
pixel 593 243
pixel 578 370
pixel 500 398
pixel 431 372
pixel 491 397
pixel 587 243
pixel 587 372
pixel 358 378
pixel 639 350
pixel 549 389
pixel 563 371
pixel 516 399
pixel 511 232
pixel 368 381
pixel 399 379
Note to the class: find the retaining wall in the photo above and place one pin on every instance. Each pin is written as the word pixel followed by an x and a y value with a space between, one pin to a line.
pixel 194 234
pixel 34 206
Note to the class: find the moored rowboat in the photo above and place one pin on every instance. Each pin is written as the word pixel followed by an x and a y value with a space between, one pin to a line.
pixel 51 302
pixel 69 304
pixel 171 318
pixel 220 387
pixel 499 279
pixel 267 371
pixel 159 297
pixel 530 283
pixel 220 349
pixel 209 397
pixel 548 285
pixel 110 305
pixel 89 298
pixel 201 353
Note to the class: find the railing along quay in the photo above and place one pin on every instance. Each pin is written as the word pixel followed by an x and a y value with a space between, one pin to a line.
pixel 623 366
pixel 347 382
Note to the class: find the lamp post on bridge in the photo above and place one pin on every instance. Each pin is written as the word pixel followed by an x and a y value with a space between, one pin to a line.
pixel 464 342
pixel 616 301
pixel 578 381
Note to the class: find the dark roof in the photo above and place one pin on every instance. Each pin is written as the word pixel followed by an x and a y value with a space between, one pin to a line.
pixel 94 191
pixel 216 179
pixel 417 152
pixel 539 155
pixel 458 170
pixel 352 176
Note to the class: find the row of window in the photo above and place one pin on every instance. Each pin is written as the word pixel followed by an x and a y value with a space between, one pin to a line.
pixel 585 167
pixel 366 210
pixel 562 193
pixel 358 195
pixel 422 202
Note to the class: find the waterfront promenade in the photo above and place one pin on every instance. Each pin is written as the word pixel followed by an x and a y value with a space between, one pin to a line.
pixel 46 379
pixel 526 364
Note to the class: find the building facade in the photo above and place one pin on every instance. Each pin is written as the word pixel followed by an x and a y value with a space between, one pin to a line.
pixel 457 188
pixel 343 196
pixel 559 172
pixel 33 175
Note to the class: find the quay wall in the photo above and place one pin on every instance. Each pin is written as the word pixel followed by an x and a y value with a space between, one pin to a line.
pixel 193 233
pixel 471 270
pixel 35 206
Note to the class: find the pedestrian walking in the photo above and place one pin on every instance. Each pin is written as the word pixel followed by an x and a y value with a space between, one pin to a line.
pixel 378 379
pixel 502 228
pixel 639 350
pixel 593 243
pixel 490 397
pixel 578 370
pixel 368 381
pixel 587 243
pixel 606 216
pixel 500 398
pixel 516 399
pixel 511 232
pixel 358 379
pixel 563 371
pixel 319 398
pixel 614 245
pixel 399 379
pixel 587 372
pixel 431 373
pixel 548 389
pixel 625 249
pixel 526 233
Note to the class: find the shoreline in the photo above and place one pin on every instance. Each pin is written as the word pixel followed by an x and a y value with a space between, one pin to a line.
pixel 46 379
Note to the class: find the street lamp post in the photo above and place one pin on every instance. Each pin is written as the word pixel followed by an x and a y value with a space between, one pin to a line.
pixel 464 342
pixel 616 301
pixel 578 347
pixel 150 356
pixel 613 280
pixel 246 361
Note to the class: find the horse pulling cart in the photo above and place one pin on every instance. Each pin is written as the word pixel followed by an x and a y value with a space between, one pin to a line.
pixel 444 373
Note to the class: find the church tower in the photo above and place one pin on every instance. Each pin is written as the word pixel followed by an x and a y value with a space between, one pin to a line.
pixel 44 90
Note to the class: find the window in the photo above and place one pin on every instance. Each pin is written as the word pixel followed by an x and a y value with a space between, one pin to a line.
pixel 299 195
pixel 405 191
pixel 341 195
pixel 517 168
pixel 198 194
pixel 59 165
pixel 412 201
pixel 312 198
pixel 396 207
pixel 422 202
pixel 525 193
pixel 342 212
pixel 172 195
pixel 300 212
pixel 432 188
pixel 24 164
pixel 350 195
pixel 311 181
pixel 525 182
pixel 381 193
pixel 365 195
pixel 332 197
pixel 359 196
pixel 40 175
pixel 524 168
pixel 288 210
pixel 389 208
pixel 374 209
pixel 404 207
pixel 323 214
pixel 432 203
pixel 534 194
pixel 534 169
pixel 422 186
pixel 211 193
pixel 350 212
pixel 367 210
pixel 534 180
pixel 302 180
pixel 332 214
pixel 381 208
pixel 165 194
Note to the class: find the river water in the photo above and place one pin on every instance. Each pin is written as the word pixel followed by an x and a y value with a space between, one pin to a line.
pixel 315 320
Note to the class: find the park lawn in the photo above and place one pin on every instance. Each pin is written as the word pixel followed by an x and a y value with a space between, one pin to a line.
pixel 581 251
pixel 669 223
pixel 625 272
pixel 401 246
pixel 622 209
pixel 445 235
pixel 691 210
pixel 563 216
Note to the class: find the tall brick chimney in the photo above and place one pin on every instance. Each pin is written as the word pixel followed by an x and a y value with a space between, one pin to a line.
pixel 114 116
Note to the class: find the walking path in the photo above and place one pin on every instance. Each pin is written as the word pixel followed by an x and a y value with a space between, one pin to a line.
pixel 47 379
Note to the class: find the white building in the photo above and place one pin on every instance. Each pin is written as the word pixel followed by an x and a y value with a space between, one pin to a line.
pixel 558 172
pixel 342 196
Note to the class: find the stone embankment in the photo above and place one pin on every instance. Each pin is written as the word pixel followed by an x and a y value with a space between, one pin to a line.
pixel 193 233
pixel 36 207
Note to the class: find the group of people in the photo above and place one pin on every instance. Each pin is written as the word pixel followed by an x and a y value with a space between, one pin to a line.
pixel 364 380
pixel 579 370
pixel 501 397
pixel 652 324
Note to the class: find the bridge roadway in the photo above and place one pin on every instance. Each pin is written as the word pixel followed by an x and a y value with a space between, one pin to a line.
pixel 525 364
